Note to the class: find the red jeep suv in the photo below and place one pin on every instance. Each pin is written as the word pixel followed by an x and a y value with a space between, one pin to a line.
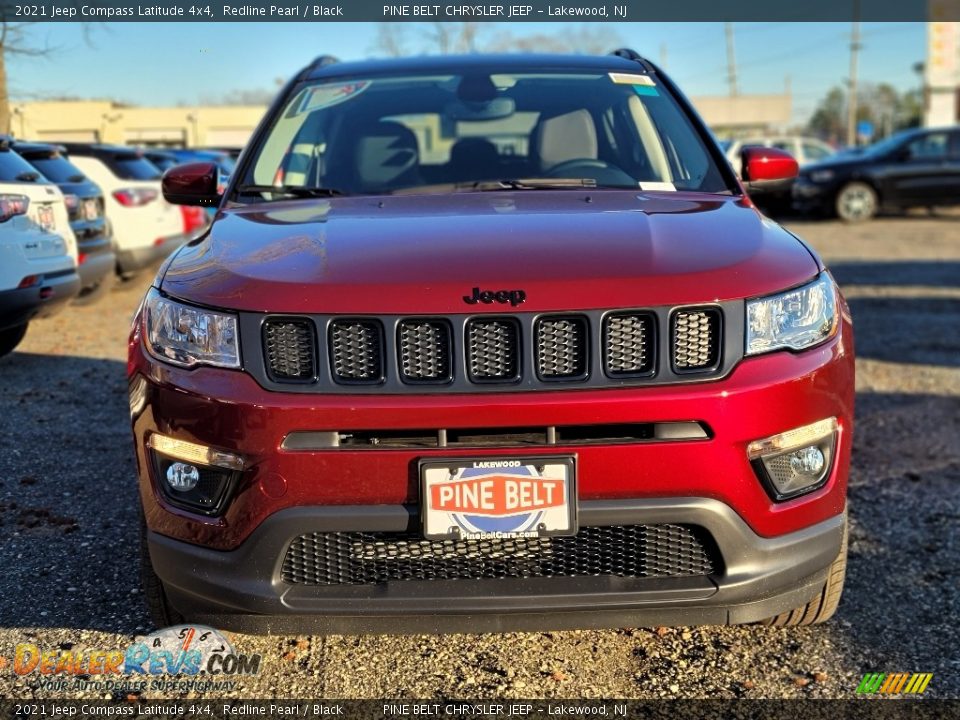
pixel 489 343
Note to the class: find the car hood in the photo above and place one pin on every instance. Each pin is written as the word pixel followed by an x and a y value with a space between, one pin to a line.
pixel 566 250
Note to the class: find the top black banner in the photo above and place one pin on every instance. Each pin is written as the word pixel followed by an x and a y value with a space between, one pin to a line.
pixel 308 11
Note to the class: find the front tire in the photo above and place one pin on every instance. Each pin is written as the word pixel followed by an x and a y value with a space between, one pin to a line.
pixel 162 614
pixel 10 338
pixel 824 605
pixel 857 202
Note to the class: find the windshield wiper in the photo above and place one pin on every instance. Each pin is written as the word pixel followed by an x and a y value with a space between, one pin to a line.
pixel 293 190
pixel 527 184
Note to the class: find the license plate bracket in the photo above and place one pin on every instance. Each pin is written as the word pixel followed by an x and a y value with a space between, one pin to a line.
pixel 498 498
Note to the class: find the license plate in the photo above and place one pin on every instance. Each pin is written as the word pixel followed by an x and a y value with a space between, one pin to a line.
pixel 91 211
pixel 498 498
pixel 45 217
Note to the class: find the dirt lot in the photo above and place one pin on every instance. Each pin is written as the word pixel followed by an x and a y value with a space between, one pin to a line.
pixel 68 523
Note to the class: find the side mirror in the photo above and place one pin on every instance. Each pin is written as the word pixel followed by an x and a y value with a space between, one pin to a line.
pixel 192 184
pixel 763 165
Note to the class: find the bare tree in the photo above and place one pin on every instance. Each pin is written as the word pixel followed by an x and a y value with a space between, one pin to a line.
pixel 391 39
pixel 440 37
pixel 596 40
pixel 15 42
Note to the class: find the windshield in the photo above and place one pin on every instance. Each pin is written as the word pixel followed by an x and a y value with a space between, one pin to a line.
pixel 388 134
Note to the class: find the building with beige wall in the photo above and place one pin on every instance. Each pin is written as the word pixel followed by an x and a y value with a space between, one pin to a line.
pixel 108 122
pixel 231 126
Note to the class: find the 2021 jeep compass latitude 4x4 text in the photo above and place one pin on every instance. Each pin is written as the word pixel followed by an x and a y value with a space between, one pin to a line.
pixel 490 343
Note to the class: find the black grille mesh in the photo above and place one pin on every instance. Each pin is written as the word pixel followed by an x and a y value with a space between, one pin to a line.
pixel 424 350
pixel 493 348
pixel 696 339
pixel 356 351
pixel 631 551
pixel 629 344
pixel 290 349
pixel 562 348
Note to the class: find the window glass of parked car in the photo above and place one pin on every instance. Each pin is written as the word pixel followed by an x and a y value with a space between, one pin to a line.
pixel 813 152
pixel 132 166
pixel 14 168
pixel 386 134
pixel 56 168
pixel 930 146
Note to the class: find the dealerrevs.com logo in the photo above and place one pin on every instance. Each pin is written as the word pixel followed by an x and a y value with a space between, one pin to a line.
pixel 157 662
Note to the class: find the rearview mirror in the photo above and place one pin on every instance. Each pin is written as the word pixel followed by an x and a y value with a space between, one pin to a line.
pixel 767 165
pixel 192 184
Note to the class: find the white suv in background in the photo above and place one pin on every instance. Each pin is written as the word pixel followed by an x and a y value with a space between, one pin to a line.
pixel 38 251
pixel 146 228
pixel 804 150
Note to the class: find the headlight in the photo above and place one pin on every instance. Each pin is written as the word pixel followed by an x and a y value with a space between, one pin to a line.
pixel 188 336
pixel 821 176
pixel 795 319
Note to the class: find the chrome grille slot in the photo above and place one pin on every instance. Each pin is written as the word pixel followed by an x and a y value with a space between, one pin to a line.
pixel 493 350
pixel 696 340
pixel 424 351
pixel 629 342
pixel 562 348
pixel 290 350
pixel 356 351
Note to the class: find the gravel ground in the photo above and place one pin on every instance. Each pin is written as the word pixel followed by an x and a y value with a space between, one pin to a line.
pixel 69 550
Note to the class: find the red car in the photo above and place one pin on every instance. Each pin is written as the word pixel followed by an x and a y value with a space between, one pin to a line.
pixel 488 343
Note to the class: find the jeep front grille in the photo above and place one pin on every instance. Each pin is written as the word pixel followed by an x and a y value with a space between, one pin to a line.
pixel 626 551
pixel 290 349
pixel 491 353
pixel 696 340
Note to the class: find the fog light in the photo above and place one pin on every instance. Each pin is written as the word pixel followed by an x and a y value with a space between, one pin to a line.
pixel 182 477
pixel 808 461
pixel 797 461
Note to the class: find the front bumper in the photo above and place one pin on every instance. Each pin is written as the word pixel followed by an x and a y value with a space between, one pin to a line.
pixel 242 590
pixel 226 568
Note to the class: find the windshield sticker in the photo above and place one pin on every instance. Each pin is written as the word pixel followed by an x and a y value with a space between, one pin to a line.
pixel 646 90
pixel 324 96
pixel 631 79
pixel 658 187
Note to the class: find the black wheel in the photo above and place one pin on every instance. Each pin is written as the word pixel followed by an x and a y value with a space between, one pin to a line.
pixel 824 605
pixel 10 338
pixel 161 612
pixel 90 295
pixel 857 202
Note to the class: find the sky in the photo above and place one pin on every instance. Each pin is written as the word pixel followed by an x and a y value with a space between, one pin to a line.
pixel 187 63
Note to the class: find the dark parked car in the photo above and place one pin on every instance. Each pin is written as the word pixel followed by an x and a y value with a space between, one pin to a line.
pixel 85 205
pixel 914 168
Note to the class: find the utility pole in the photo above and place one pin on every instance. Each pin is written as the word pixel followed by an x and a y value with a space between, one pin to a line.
pixel 731 60
pixel 663 56
pixel 855 47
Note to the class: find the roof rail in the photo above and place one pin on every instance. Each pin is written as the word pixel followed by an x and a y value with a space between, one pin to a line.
pixel 320 62
pixel 633 56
